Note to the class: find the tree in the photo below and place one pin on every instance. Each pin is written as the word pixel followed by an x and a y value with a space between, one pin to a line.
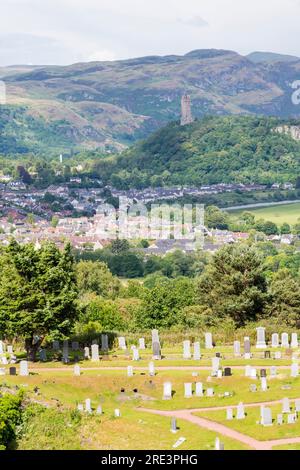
pixel 119 246
pixel 96 277
pixel 38 293
pixel 285 298
pixel 234 284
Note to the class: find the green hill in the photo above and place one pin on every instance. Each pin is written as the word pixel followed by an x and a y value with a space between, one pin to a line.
pixel 213 150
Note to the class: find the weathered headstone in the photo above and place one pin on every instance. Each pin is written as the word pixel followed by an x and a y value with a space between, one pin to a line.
pixel 43 355
pixel 122 342
pixel 167 393
pixel 104 343
pixel 80 407
pixel 65 352
pixel 156 349
pixel 263 384
pixel 197 351
pixel 87 353
pixel 117 413
pixel 142 345
pixel 294 370
pixel 75 346
pixel 253 388
pixel 261 338
pixel 248 370
pixel 188 390
pixel 291 418
pixel 215 366
pixel 77 370
pixel 9 349
pixel 237 348
pixel 218 444
pixel 294 341
pixel 229 414
pixel 4 360
pixel 55 345
pixel 99 410
pixel 285 340
pixel 2 371
pixel 266 416
pixel 275 340
pixel 286 405
pixel 174 425
pixel 88 406
pixel 253 373
pixel 129 371
pixel 280 419
pixel 277 355
pixel 199 389
pixel 1 347
pixel 12 371
pixel 247 348
pixel 135 355
pixel 151 369
pixel 208 341
pixel 24 369
pixel 240 411
pixel 95 352
pixel 227 372
pixel 187 350
pixel 210 392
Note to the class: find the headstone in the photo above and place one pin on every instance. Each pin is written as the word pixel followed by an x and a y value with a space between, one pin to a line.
pixel 197 351
pixel 263 372
pixel 219 374
pixel 142 343
pixel 275 340
pixel 55 345
pixel 187 350
pixel 199 389
pixel 294 341
pixel 291 418
pixel 210 392
pixel 12 371
pixel 156 349
pixel 117 413
pixel 77 370
pixel 122 343
pixel 247 346
pixel 88 406
pixel 24 369
pixel 99 410
pixel 286 405
pixel 280 419
pixel 240 412
pixel 129 371
pixel 80 407
pixel 266 418
pixel 104 343
pixel 1 347
pixel 4 360
pixel 178 443
pixel 87 353
pixel 151 369
pixel 285 340
pixel 75 346
pixel 188 390
pixel 135 355
pixel 174 425
pixel 263 384
pixel 273 371
pixel 277 355
pixel 215 365
pixel 294 370
pixel 218 444
pixel 208 341
pixel 267 354
pixel 227 372
pixel 261 338
pixel 9 349
pixel 248 370
pixel 297 406
pixel 65 352
pixel 2 371
pixel 95 353
pixel 43 355
pixel 253 388
pixel 167 393
pixel 229 414
pixel 253 374
pixel 237 348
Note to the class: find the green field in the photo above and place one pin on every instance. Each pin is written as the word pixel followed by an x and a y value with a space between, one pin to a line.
pixel 281 213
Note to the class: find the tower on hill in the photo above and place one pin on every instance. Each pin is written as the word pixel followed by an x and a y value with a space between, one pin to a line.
pixel 186 112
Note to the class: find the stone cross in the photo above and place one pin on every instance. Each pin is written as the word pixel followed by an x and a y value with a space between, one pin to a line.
pixel 261 338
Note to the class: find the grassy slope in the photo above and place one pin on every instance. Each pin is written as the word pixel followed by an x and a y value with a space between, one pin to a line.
pixel 289 213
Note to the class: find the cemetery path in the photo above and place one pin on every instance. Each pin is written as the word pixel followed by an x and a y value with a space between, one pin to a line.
pixel 158 368
pixel 254 444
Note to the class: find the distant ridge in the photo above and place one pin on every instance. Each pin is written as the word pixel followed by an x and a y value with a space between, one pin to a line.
pixel 270 57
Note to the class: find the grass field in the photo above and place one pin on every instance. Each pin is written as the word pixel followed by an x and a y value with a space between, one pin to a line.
pixel 289 213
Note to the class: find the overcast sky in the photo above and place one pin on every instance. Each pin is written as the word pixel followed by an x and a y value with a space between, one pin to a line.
pixel 68 31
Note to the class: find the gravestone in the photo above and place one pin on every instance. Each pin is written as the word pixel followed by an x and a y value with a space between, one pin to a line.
pixel 237 348
pixel 75 346
pixel 280 419
pixel 291 418
pixel 294 370
pixel 4 360
pixel 277 355
pixel 263 372
pixel 43 355
pixel 215 366
pixel 210 392
pixel 156 349
pixel 2 371
pixel 219 374
pixel 12 371
pixel 227 372
pixel 229 414
pixel 248 370
pixel 55 345
pixel 99 410
pixel 247 347
pixel 253 374
pixel 142 343
pixel 122 343
pixel 9 350
pixel 117 413
pixel 129 371
pixel 197 351
pixel 219 445
pixel 199 389
pixel 273 371
pixel 240 411
pixel 297 406
pixel 187 350
pixel 174 425
pixel 275 340
pixel 167 393
pixel 24 369
pixel 267 354
pixel 80 407
pixel 151 369
pixel 294 341
pixel 286 405
pixel 188 390
pixel 1 347
pixel 261 338
pixel 88 406
pixel 263 384
pixel 65 352
pixel 86 353
pixel 285 340
pixel 77 370
pixel 266 418
pixel 253 388
pixel 208 341
pixel 178 443
pixel 104 343
pixel 135 355
pixel 95 353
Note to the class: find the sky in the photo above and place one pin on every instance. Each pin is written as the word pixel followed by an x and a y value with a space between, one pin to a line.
pixel 61 32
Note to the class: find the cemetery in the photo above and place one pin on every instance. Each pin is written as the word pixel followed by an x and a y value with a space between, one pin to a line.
pixel 118 393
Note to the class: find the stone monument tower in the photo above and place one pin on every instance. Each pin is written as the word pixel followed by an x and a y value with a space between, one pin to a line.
pixel 186 113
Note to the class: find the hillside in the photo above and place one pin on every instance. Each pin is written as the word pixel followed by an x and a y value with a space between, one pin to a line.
pixel 113 104
pixel 213 150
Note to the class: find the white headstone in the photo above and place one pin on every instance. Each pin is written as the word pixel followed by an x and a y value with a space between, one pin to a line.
pixel 215 365
pixel 292 418
pixel 117 413
pixel 248 370
pixel 2 371
pixel 286 405
pixel 88 406
pixel 4 360
pixel 264 384
pixel 297 406
pixel 80 407
pixel 229 414
pixel 277 355
pixel 261 338
pixel 77 370
pixel 210 392
pixel 218 444
pixel 87 353
pixel 279 419
pixel 135 355
pixel 253 374
pixel 129 371
pixel 167 393
pixel 9 349
pixel 122 343
pixel 275 340
pixel 24 369
pixel 285 340
pixel 187 350
pixel 142 343
pixel 294 370
pixel 197 351
pixel 199 389
pixel 208 341
pixel 188 393
pixel 95 352
pixel 240 411
pixel 151 369
pixel 237 348
pixel 266 416
pixel 294 341
pixel 99 410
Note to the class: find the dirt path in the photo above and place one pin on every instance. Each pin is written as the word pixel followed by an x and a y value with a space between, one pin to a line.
pixel 188 415
pixel 158 368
